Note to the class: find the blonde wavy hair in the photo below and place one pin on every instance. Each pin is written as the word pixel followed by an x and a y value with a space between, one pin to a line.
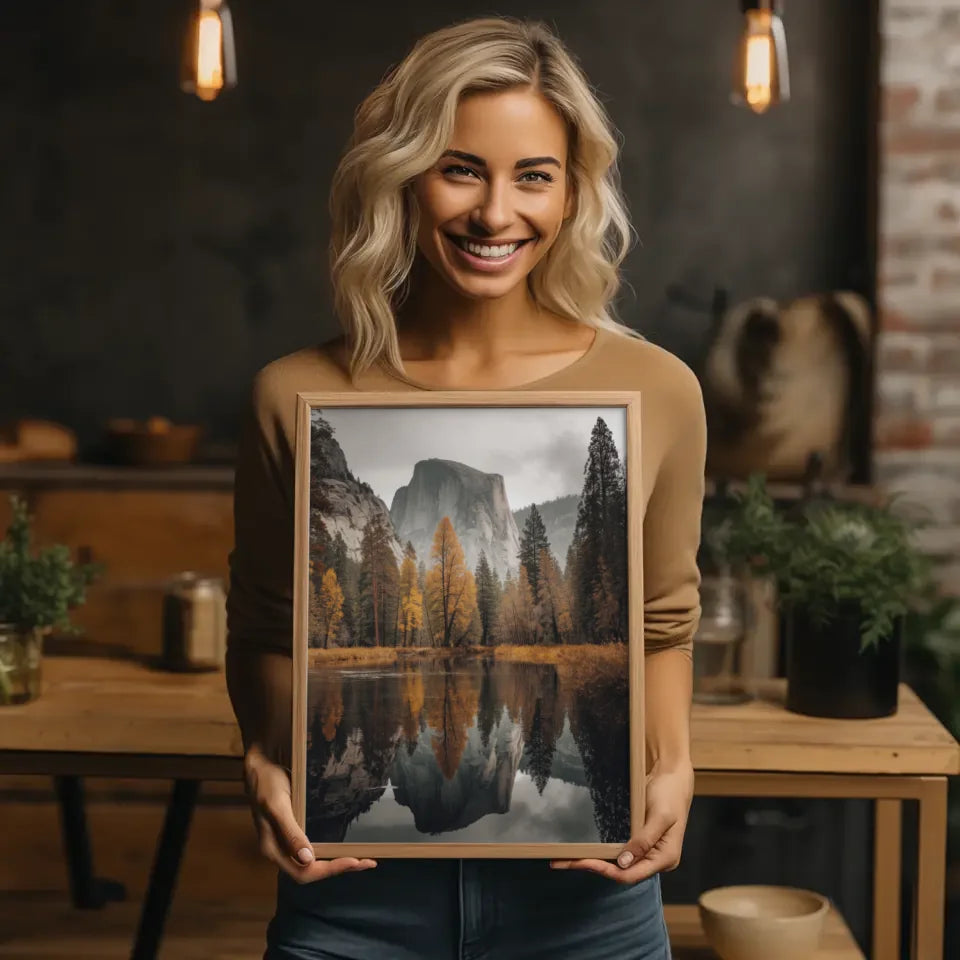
pixel 402 128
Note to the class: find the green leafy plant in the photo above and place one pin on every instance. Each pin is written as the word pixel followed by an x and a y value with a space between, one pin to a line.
pixel 826 555
pixel 38 590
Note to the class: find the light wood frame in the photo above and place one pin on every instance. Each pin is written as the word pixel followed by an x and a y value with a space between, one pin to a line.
pixel 630 401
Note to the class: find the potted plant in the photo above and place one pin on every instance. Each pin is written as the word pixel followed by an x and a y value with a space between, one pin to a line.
pixel 846 573
pixel 37 593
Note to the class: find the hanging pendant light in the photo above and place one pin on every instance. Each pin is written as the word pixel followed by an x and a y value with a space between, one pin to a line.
pixel 210 58
pixel 761 77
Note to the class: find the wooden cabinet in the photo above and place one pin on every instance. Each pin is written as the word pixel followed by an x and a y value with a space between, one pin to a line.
pixel 143 525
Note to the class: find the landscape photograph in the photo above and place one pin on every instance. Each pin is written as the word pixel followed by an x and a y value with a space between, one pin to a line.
pixel 467 643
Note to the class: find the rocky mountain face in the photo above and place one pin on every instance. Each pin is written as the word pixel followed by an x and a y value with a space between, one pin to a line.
pixel 476 504
pixel 560 520
pixel 347 508
pixel 337 497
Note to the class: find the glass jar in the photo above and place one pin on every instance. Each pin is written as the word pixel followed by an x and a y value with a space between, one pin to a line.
pixel 20 658
pixel 718 675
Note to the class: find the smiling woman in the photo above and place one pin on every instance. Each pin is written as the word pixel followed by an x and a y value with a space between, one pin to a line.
pixel 477 233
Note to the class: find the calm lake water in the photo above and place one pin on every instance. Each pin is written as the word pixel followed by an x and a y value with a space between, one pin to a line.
pixel 469 749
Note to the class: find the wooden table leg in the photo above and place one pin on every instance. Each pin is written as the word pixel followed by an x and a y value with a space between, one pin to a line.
pixel 930 904
pixel 887 852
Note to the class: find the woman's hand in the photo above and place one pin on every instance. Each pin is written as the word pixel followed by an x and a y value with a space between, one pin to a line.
pixel 657 846
pixel 281 840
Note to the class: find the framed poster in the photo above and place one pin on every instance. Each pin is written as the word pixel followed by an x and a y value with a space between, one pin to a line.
pixel 468 624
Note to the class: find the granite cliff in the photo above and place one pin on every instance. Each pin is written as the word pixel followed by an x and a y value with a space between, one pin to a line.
pixel 476 504
pixel 343 503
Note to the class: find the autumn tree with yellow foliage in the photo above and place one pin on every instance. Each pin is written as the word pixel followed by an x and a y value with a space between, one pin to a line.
pixel 451 590
pixel 329 607
pixel 326 609
pixel 410 606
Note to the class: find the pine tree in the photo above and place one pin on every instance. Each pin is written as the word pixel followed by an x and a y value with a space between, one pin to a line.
pixel 488 600
pixel 532 542
pixel 320 549
pixel 600 533
pixel 378 581
pixel 338 558
pixel 527 610
pixel 606 605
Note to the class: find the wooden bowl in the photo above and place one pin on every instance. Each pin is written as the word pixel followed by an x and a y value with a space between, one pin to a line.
pixel 154 442
pixel 763 922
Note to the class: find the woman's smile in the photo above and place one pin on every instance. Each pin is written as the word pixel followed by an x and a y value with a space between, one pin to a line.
pixel 486 255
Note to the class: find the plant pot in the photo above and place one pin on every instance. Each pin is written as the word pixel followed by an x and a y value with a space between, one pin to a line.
pixel 21 655
pixel 828 675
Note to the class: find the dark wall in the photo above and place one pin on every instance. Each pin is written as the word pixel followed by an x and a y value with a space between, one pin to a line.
pixel 156 250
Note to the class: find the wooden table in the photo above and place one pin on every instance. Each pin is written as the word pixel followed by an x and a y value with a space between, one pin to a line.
pixel 116 718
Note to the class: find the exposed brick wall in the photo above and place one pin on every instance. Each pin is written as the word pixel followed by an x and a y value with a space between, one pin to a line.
pixel 917 426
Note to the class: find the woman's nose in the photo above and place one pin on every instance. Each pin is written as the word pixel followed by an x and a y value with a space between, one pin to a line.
pixel 494 213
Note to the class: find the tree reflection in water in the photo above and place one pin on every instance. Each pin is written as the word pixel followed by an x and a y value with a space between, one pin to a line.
pixel 449 735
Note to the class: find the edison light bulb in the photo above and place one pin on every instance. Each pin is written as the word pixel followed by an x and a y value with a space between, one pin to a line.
pixel 760 77
pixel 758 81
pixel 209 55
pixel 210 63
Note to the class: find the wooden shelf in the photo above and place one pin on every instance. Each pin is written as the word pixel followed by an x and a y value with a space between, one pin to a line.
pixel 689 943
pixel 91 476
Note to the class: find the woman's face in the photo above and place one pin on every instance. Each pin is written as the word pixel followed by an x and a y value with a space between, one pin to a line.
pixel 493 204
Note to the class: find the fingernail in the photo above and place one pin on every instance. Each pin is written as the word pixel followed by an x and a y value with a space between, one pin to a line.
pixel 305 855
pixel 625 859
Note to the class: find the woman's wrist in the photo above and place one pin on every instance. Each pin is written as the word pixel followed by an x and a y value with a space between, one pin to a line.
pixel 670 761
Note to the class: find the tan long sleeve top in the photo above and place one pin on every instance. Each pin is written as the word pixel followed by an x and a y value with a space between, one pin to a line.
pixel 673 450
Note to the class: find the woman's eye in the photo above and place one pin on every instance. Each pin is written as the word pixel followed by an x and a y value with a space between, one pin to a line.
pixel 540 176
pixel 459 170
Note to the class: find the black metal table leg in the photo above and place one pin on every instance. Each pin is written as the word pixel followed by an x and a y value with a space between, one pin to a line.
pixel 166 864
pixel 87 891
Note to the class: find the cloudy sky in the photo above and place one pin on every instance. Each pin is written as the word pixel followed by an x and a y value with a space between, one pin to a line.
pixel 539 451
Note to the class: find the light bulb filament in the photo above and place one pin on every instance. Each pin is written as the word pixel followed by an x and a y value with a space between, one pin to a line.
pixel 209 55
pixel 759 70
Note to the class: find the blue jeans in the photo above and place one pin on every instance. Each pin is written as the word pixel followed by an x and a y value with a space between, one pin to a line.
pixel 467 910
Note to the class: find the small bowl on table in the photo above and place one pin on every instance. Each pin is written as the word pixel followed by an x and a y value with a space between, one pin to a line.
pixel 151 443
pixel 763 922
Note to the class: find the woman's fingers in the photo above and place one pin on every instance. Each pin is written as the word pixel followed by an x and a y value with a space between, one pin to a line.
pixel 654 829
pixel 278 812
pixel 311 872
pixel 655 862
pixel 663 854
pixel 282 840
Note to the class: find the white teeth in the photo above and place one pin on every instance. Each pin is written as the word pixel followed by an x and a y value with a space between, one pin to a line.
pixel 482 250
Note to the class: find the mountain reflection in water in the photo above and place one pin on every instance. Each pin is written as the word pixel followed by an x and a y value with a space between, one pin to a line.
pixel 468 749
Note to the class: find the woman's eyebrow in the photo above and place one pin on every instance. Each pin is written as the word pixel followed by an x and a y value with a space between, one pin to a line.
pixel 519 165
